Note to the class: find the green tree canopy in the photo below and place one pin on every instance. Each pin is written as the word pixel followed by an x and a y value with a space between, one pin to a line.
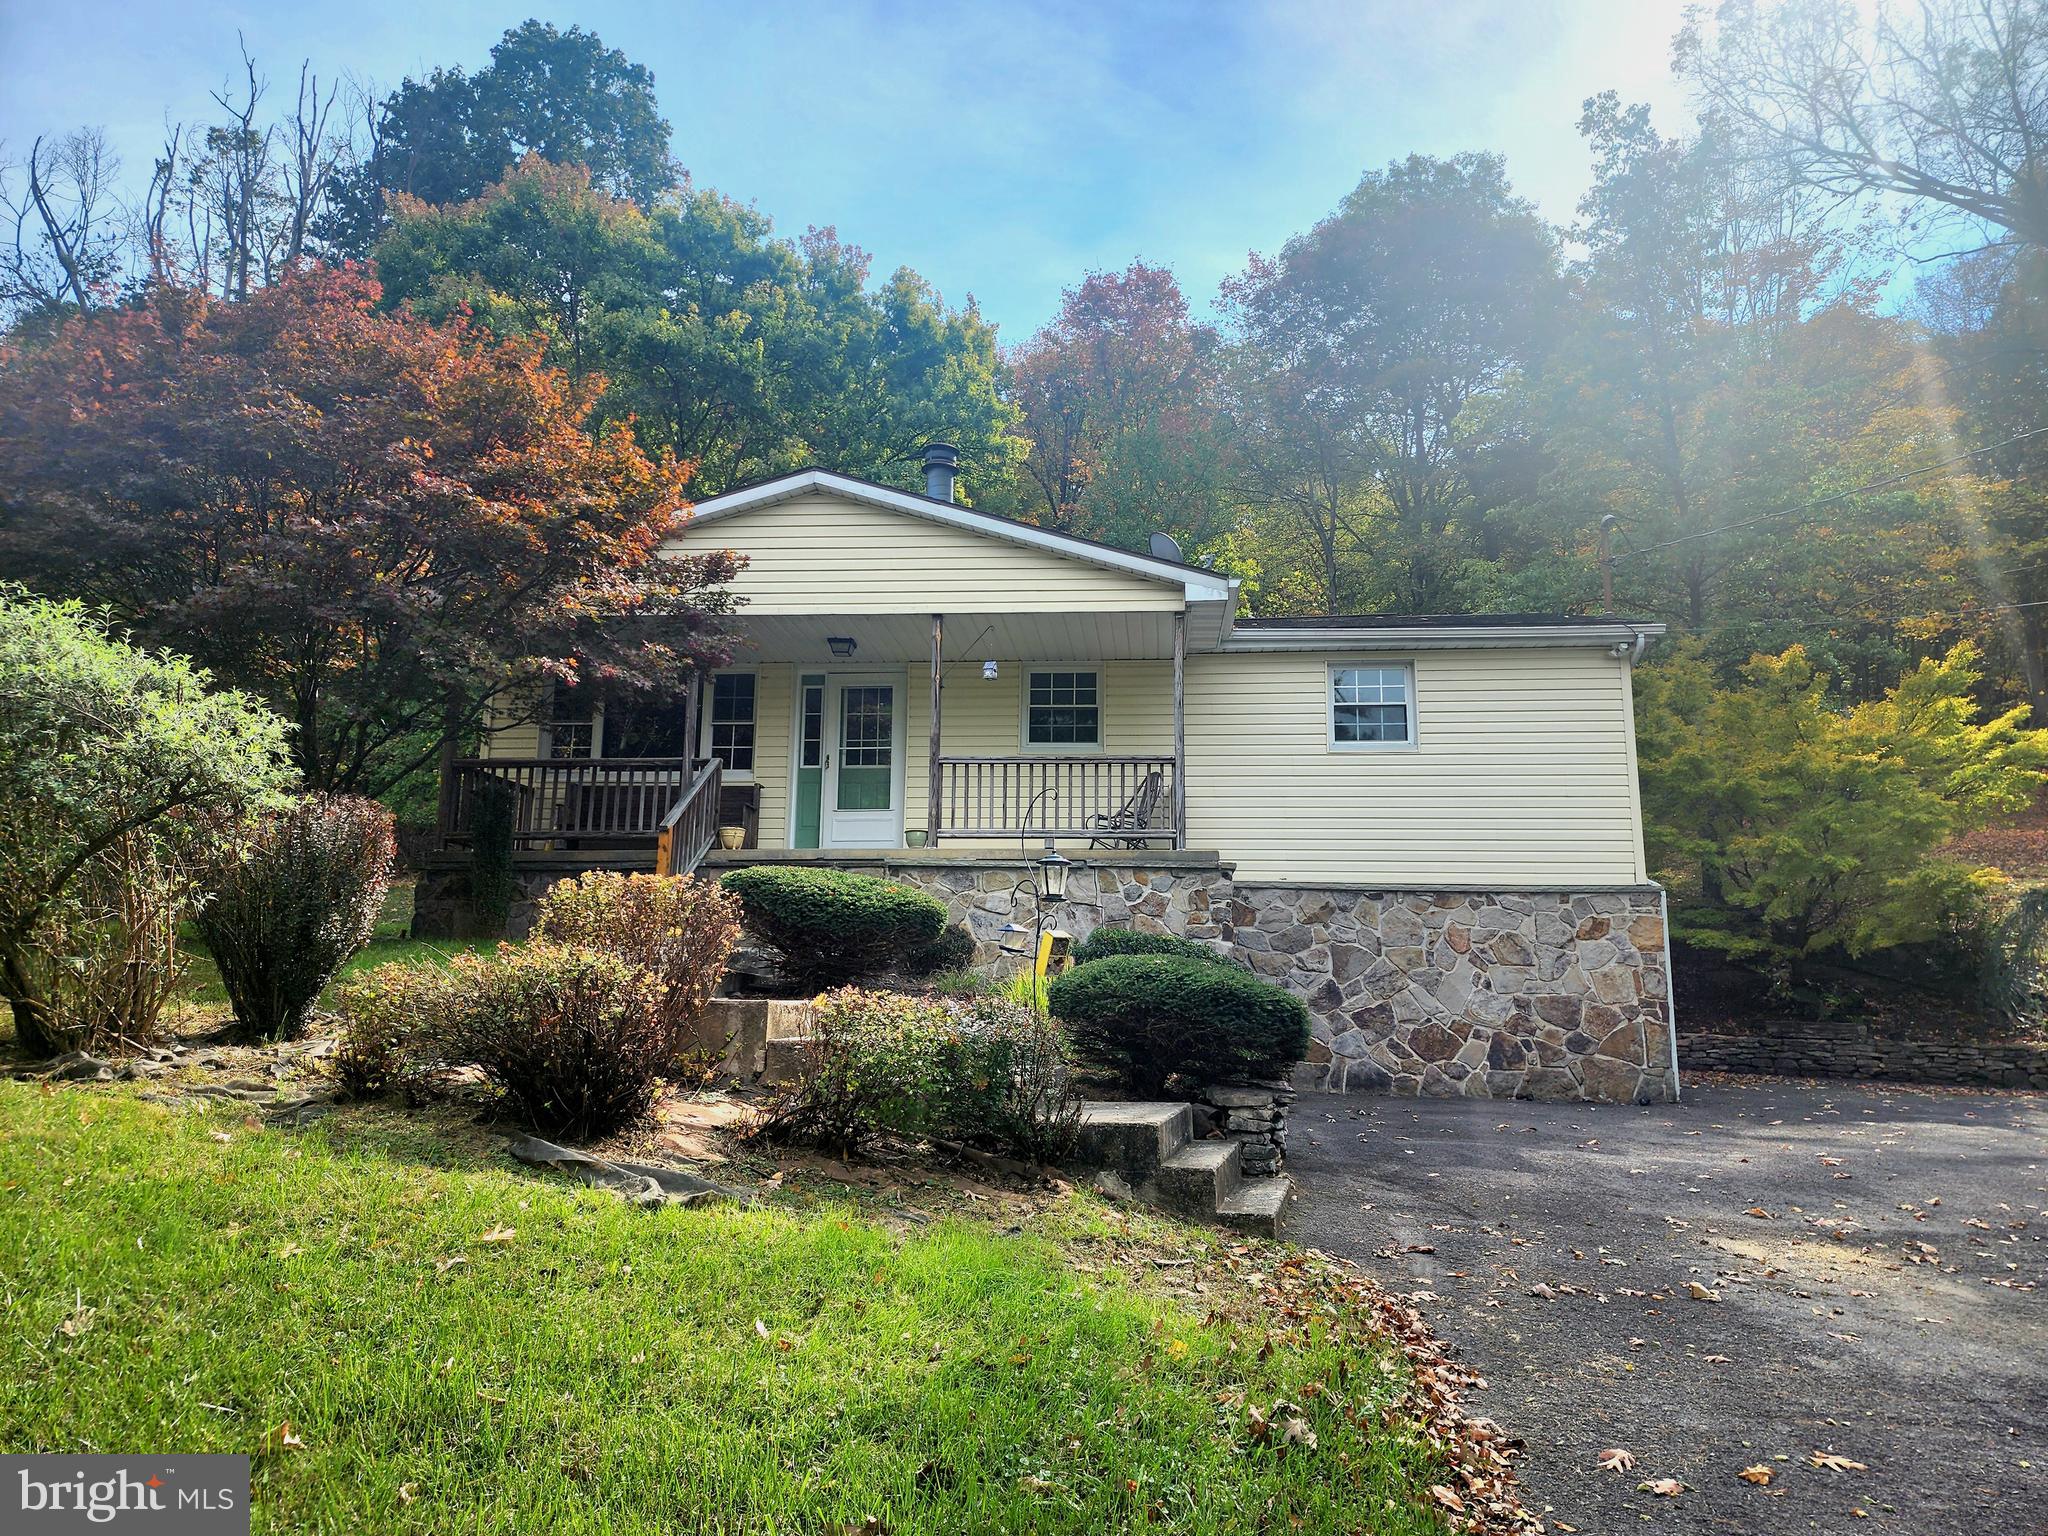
pixel 99 741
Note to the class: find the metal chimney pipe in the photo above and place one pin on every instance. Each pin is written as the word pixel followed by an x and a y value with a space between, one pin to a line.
pixel 941 463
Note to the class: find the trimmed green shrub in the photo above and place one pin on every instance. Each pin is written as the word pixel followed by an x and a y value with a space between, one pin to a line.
pixel 975 1070
pixel 300 898
pixel 1104 942
pixel 1149 1018
pixel 952 950
pixel 830 926
pixel 675 930
pixel 575 1040
pixel 381 1014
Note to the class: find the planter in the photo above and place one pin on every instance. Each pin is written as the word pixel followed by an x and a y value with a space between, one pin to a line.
pixel 732 837
pixel 914 839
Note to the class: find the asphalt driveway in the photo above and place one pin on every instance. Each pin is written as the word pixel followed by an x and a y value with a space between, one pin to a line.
pixel 1872 1284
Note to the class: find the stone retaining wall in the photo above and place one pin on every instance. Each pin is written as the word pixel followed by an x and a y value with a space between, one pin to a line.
pixel 1550 995
pixel 1803 1048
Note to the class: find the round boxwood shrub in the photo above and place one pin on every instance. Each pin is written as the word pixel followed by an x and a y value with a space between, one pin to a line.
pixel 1151 1017
pixel 829 926
pixel 1104 942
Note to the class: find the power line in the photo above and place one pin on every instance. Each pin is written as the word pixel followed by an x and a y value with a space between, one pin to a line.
pixel 1813 506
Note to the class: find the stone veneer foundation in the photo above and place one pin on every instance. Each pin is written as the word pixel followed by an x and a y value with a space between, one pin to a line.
pixel 1490 994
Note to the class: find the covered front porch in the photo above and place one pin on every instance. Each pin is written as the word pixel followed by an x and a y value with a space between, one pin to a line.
pixel 862 732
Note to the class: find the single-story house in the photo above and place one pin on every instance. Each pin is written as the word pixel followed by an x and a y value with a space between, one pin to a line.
pixel 1428 827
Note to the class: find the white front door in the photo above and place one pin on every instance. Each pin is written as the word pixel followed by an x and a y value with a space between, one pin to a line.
pixel 863 789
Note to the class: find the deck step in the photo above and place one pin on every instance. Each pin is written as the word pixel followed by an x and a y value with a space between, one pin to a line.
pixel 1258 1205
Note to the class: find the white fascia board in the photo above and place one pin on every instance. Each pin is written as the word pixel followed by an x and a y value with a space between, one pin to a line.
pixel 1197 585
pixel 1440 637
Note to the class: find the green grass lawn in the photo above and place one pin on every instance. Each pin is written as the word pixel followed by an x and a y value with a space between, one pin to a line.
pixel 177 1279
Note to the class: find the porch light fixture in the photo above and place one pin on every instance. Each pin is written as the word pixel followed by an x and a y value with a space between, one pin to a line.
pixel 988 671
pixel 842 645
pixel 1053 867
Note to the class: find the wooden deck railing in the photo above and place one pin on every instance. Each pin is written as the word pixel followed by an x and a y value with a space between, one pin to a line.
pixel 689 830
pixel 587 801
pixel 1124 801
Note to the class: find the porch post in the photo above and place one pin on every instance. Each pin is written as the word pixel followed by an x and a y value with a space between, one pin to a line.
pixel 931 788
pixel 691 725
pixel 1180 730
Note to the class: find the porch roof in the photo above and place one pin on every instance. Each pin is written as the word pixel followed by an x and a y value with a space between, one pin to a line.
pixel 893 638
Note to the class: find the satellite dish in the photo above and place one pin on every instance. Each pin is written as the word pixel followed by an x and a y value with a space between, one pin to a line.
pixel 1164 547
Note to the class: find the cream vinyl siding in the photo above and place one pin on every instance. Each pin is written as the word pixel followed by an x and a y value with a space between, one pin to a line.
pixel 822 554
pixel 503 738
pixel 773 685
pixel 978 718
pixel 1523 772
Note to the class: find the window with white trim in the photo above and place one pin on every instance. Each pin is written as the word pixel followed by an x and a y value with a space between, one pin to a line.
pixel 570 729
pixel 1371 706
pixel 732 720
pixel 1063 709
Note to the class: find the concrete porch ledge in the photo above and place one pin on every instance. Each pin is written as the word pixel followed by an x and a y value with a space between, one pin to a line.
pixel 963 858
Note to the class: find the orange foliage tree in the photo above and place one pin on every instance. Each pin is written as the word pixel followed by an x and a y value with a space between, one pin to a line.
pixel 383 526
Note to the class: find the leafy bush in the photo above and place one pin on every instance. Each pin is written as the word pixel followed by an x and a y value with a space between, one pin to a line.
pixel 1152 1017
pixel 382 1013
pixel 1104 942
pixel 104 747
pixel 1787 826
pixel 575 1039
pixel 675 930
pixel 978 1071
pixel 290 907
pixel 830 926
pixel 952 950
pixel 106 958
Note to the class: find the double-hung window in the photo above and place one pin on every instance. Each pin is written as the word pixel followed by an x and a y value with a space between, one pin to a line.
pixel 732 721
pixel 1372 706
pixel 570 729
pixel 1063 710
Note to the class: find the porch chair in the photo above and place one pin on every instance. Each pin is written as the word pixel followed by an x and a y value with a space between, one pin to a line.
pixel 1131 825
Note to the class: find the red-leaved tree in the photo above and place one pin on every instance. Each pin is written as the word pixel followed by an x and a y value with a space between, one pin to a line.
pixel 383 526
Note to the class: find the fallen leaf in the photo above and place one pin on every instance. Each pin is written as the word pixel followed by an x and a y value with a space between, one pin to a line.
pixel 499 1235
pixel 1447 1498
pixel 285 1438
pixel 761 1328
pixel 442 1266
pixel 1662 1487
pixel 1699 1292
pixel 1759 1212
pixel 1829 1461
pixel 1616 1460
pixel 1715 1359
pixel 1759 1474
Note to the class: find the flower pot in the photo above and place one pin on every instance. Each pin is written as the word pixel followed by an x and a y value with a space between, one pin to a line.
pixel 914 839
pixel 732 837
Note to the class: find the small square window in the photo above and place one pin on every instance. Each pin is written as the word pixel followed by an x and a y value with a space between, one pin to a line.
pixel 1062 709
pixel 1372 707
pixel 732 720
pixel 570 729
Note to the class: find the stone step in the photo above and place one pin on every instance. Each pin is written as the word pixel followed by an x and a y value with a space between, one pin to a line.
pixel 1199 1178
pixel 1258 1206
pixel 783 1060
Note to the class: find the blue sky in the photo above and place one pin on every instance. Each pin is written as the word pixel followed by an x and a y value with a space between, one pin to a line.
pixel 1002 150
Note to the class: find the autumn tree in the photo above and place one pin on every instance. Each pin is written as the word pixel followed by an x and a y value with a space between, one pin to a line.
pixel 1121 406
pixel 379 525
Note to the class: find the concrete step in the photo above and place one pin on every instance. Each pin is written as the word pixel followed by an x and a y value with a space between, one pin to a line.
pixel 784 1059
pixel 1132 1140
pixel 738 1029
pixel 1199 1178
pixel 1258 1206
